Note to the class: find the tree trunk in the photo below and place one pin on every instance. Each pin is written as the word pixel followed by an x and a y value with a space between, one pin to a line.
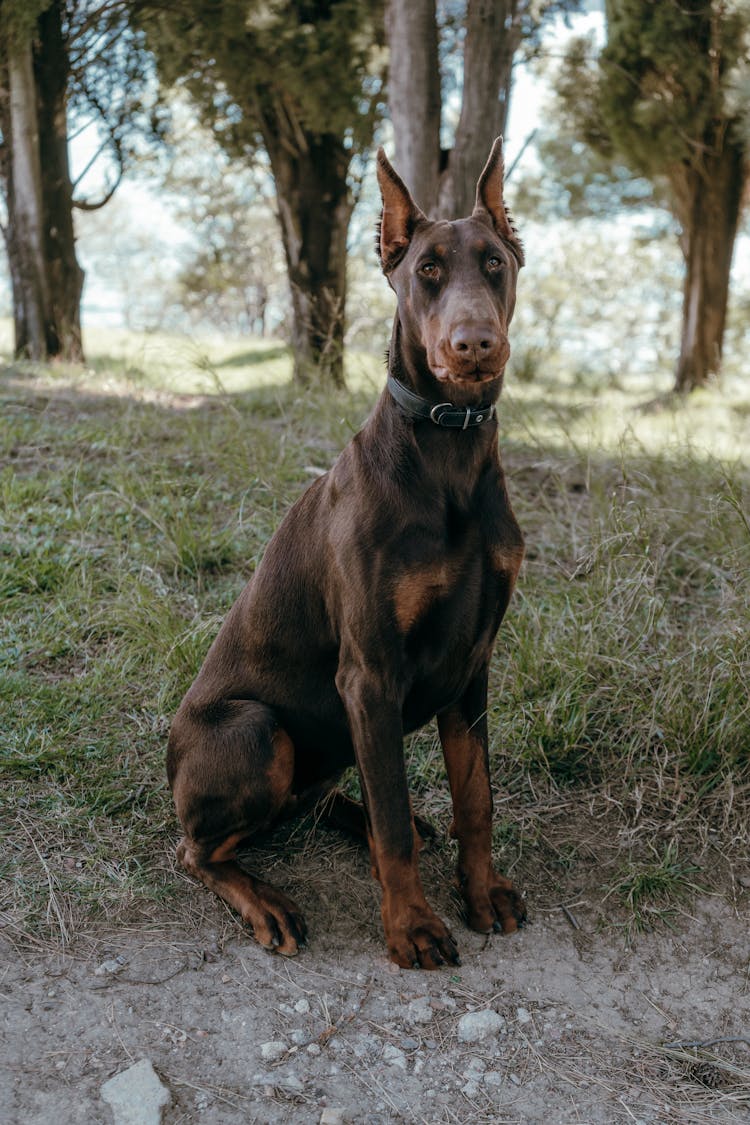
pixel 26 246
pixel 708 205
pixel 10 235
pixel 414 97
pixel 315 205
pixel 492 37
pixel 444 183
pixel 64 274
pixel 46 279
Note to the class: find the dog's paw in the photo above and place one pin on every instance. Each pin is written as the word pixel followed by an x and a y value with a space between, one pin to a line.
pixel 423 942
pixel 276 921
pixel 497 907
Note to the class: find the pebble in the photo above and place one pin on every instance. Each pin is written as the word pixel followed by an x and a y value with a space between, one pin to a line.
pixel 291 1082
pixel 273 1051
pixel 137 1095
pixel 313 1049
pixel 302 1006
pixel 394 1056
pixel 475 1067
pixel 332 1115
pixel 409 1044
pixel 109 967
pixel 419 1010
pixel 299 1037
pixel 493 1078
pixel 476 1026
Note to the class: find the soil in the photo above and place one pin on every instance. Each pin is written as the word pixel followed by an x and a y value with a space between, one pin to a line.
pixel 599 1025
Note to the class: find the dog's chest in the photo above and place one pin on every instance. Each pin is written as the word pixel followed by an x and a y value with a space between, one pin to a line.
pixel 445 607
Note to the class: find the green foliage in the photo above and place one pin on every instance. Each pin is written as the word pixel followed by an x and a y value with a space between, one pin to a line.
pixel 322 62
pixel 232 275
pixel 664 76
pixel 17 21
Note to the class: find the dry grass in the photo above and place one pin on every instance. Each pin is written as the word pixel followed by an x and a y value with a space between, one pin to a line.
pixel 137 497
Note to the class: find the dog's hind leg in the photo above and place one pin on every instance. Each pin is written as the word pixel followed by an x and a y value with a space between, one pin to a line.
pixel 231 768
pixel 349 815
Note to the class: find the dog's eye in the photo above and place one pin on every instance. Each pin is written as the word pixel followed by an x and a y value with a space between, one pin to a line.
pixel 494 264
pixel 429 269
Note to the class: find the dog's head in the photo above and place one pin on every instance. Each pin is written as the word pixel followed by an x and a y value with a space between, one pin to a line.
pixel 455 283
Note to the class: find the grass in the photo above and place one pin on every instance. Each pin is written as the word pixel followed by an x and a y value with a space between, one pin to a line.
pixel 136 498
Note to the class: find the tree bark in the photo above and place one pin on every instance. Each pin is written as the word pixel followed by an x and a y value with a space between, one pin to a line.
pixel 314 207
pixel 34 321
pixel 444 183
pixel 414 97
pixel 708 201
pixel 46 278
pixel 64 274
pixel 492 36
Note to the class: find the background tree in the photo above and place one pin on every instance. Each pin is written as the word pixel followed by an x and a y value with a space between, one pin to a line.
pixel 663 97
pixel 232 275
pixel 301 80
pixel 45 277
pixel 444 180
pixel 54 55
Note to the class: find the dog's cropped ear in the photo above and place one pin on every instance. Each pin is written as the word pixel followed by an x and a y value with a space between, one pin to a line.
pixel 490 200
pixel 398 218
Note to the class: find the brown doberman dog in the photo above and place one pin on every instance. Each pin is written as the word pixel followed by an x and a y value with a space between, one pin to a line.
pixel 375 607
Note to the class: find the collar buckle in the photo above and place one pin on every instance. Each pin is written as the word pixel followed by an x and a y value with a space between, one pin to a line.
pixel 442 407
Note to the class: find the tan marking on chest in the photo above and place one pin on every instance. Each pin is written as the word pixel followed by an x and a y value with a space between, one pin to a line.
pixel 506 560
pixel 415 592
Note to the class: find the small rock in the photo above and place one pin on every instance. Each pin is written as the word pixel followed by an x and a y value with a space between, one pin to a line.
pixel 302 1006
pixel 408 1044
pixel 476 1026
pixel 299 1037
pixel 523 1015
pixel 111 966
pixel 475 1067
pixel 515 1079
pixel 394 1056
pixel 333 1115
pixel 366 1047
pixel 313 1049
pixel 273 1051
pixel 292 1083
pixel 419 1010
pixel 470 1089
pixel 136 1095
pixel 493 1078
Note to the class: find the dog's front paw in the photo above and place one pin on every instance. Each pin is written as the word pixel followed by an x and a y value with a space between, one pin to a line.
pixel 420 940
pixel 496 905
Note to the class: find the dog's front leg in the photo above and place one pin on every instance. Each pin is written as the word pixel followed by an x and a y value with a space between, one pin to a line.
pixel 416 937
pixel 492 902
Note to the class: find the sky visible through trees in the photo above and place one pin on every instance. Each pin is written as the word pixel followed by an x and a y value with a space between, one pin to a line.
pixel 141 194
pixel 142 253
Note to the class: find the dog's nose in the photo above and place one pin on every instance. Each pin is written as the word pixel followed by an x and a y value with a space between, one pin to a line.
pixel 474 341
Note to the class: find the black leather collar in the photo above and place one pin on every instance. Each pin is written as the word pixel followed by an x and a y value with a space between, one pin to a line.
pixel 441 413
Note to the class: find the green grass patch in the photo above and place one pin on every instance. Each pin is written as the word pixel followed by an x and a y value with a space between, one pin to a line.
pixel 136 498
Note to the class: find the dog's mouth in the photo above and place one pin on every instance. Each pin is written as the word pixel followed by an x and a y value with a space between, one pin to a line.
pixel 466 378
pixel 470 371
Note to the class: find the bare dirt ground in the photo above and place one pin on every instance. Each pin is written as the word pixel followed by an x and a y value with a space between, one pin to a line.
pixel 598 1025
